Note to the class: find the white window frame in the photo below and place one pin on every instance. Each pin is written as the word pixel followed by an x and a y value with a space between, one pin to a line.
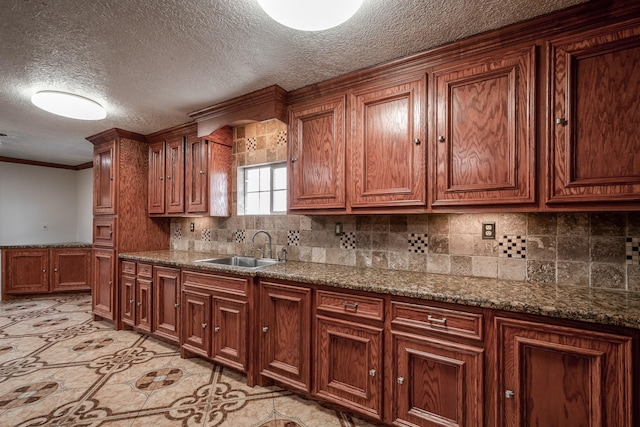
pixel 243 192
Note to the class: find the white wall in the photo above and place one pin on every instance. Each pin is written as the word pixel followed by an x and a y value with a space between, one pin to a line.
pixel 33 196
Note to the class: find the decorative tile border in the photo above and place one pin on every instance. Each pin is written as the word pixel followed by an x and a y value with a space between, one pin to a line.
pixel 293 238
pixel 348 240
pixel 206 235
pixel 418 243
pixel 512 247
pixel 281 138
pixel 240 236
pixel 177 233
pixel 252 145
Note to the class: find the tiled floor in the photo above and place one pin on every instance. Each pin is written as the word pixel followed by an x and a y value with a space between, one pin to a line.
pixel 60 368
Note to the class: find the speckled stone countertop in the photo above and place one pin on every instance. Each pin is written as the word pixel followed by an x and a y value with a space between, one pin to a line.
pixel 616 308
pixel 48 245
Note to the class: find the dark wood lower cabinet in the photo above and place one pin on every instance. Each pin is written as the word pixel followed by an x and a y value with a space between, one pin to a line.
pixel 103 291
pixel 229 343
pixel 558 376
pixel 285 341
pixel 144 296
pixel 437 383
pixel 166 303
pixel 128 299
pixel 349 364
pixel 70 269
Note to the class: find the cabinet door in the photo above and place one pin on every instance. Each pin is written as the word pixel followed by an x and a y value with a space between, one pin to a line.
pixel 156 178
pixel 103 291
pixel 317 155
pixel 143 304
pixel 485 131
pixel 230 333
pixel 71 269
pixel 349 365
pixel 104 178
pixel 166 297
pixel 437 383
pixel 104 231
pixel 219 189
pixel 595 111
pixel 27 271
pixel 285 322
pixel 388 146
pixel 558 376
pixel 196 175
pixel 196 322
pixel 175 175
pixel 128 300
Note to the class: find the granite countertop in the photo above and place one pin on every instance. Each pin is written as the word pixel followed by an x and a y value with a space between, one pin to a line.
pixel 48 245
pixel 609 307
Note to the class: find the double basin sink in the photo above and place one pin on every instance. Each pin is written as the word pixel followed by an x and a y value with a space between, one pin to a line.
pixel 240 261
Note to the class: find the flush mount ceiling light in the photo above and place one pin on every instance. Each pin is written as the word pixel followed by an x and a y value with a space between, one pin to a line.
pixel 68 105
pixel 310 15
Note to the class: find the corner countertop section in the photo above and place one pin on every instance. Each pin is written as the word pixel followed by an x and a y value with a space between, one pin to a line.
pixel 608 307
pixel 48 245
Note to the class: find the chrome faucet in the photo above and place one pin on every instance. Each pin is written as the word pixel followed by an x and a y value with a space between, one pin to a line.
pixel 253 239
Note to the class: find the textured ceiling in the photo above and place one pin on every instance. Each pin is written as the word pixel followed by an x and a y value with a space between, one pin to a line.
pixel 150 63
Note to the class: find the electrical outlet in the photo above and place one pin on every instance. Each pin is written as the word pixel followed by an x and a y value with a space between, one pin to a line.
pixel 192 227
pixel 45 227
pixel 488 230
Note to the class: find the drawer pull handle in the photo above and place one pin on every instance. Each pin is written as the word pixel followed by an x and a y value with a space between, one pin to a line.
pixel 176 305
pixel 204 325
pixel 400 380
pixel 442 321
pixel 350 305
pixel 372 372
pixel 509 394
pixel 216 329
pixel 265 329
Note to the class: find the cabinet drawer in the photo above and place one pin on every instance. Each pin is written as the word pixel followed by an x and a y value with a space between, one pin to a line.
pixel 352 305
pixel 145 270
pixel 104 231
pixel 129 267
pixel 425 318
pixel 215 282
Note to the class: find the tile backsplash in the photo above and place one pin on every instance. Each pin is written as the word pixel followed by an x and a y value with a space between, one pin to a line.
pixel 599 250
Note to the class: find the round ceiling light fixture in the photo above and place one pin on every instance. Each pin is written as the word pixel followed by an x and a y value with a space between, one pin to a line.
pixel 310 15
pixel 68 105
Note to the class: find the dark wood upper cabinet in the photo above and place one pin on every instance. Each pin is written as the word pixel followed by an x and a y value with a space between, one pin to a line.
pixel 104 179
pixel 156 177
pixel 594 114
pixel 196 172
pixel 317 155
pixel 174 175
pixel 388 145
pixel 484 136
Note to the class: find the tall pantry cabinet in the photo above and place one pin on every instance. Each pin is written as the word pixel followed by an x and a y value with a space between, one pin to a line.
pixel 120 218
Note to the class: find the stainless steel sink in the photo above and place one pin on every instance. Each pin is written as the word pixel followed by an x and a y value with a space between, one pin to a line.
pixel 240 261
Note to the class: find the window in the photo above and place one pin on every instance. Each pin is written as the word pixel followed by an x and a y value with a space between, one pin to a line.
pixel 265 189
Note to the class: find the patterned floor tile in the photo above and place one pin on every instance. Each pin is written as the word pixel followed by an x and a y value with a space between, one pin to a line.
pixel 59 367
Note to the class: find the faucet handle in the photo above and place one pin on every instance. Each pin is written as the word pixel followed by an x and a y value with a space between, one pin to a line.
pixel 282 252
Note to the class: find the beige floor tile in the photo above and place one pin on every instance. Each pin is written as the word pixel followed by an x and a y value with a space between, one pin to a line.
pixel 307 413
pixel 120 397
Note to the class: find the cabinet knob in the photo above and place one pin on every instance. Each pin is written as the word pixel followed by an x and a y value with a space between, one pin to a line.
pixel 176 305
pixel 561 121
pixel 400 380
pixel 265 329
pixel 201 172
pixel 131 301
pixel 139 304
pixel 204 325
pixel 509 394
pixel 416 141
pixel 55 269
pixel 372 372
pixel 168 176
pixel 294 159
pixel 161 178
pixel 441 138
pixel 110 178
pixel 44 271
pixel 216 329
pixel 110 282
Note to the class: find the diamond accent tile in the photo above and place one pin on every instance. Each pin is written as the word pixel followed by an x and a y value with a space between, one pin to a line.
pixel 633 250
pixel 239 236
pixel 252 144
pixel 512 247
pixel 206 235
pixel 418 242
pixel 177 233
pixel 293 238
pixel 348 240
pixel 281 138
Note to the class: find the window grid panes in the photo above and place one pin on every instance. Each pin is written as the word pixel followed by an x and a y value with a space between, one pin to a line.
pixel 265 189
